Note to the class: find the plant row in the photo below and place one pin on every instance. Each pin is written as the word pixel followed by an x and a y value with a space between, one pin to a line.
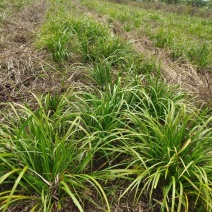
pixel 184 36
pixel 86 41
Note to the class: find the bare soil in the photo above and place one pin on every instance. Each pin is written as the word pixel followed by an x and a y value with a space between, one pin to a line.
pixel 19 62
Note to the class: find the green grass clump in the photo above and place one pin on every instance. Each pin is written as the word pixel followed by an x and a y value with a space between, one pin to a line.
pixel 85 40
pixel 163 142
pixel 102 73
pixel 64 37
pixel 107 109
pixel 162 38
pixel 45 157
pixel 171 159
pixel 170 153
pixel 107 47
pixel 58 37
pixel 200 55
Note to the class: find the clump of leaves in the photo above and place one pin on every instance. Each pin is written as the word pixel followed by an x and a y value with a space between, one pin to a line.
pixel 46 157
pixel 171 158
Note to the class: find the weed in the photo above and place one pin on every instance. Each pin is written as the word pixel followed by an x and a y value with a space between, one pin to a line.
pixel 55 36
pixel 147 67
pixel 92 41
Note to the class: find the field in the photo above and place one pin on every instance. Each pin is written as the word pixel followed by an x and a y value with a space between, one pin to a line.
pixel 105 106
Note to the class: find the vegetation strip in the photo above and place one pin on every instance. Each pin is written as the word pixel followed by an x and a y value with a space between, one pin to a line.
pixel 188 37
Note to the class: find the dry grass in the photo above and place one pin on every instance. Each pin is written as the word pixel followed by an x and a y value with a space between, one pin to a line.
pixel 19 64
pixel 25 70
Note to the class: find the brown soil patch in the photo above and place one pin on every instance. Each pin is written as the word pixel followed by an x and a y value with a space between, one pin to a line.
pixel 25 70
pixel 19 64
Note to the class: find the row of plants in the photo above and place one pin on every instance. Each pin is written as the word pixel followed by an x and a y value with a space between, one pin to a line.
pixel 73 151
pixel 184 36
pixel 82 39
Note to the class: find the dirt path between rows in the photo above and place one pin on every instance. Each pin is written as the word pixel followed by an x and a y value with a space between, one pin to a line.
pixel 23 69
pixel 178 72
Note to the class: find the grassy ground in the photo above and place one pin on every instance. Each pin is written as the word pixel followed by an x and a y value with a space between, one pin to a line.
pixel 88 120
